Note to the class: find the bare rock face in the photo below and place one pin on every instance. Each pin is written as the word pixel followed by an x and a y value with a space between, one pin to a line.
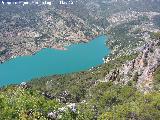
pixel 140 69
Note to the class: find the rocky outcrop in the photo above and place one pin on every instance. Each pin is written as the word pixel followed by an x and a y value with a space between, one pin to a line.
pixel 140 69
pixel 56 115
pixel 52 115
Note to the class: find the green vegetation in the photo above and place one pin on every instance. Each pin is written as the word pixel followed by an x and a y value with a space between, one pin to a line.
pixel 155 35
pixel 104 101
pixel 142 107
pixel 123 34
pixel 77 83
pixel 157 79
pixel 94 99
pixel 18 103
pixel 127 103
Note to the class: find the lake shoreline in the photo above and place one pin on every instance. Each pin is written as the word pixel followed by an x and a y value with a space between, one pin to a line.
pixel 49 61
pixel 56 47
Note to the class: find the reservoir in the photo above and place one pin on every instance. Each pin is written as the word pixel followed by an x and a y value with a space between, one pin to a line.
pixel 77 57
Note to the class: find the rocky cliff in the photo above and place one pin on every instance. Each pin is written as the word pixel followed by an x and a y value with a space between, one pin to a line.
pixel 140 69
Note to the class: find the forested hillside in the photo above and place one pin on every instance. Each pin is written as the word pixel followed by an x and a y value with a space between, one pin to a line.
pixel 80 96
pixel 125 87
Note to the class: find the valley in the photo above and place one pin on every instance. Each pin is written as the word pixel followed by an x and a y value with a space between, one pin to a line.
pixel 125 86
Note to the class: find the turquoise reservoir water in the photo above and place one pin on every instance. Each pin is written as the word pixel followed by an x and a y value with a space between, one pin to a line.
pixel 78 57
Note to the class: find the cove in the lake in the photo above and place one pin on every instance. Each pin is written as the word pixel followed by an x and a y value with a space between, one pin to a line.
pixel 78 57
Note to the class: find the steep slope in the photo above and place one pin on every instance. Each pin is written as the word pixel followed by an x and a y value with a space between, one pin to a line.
pixel 82 96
